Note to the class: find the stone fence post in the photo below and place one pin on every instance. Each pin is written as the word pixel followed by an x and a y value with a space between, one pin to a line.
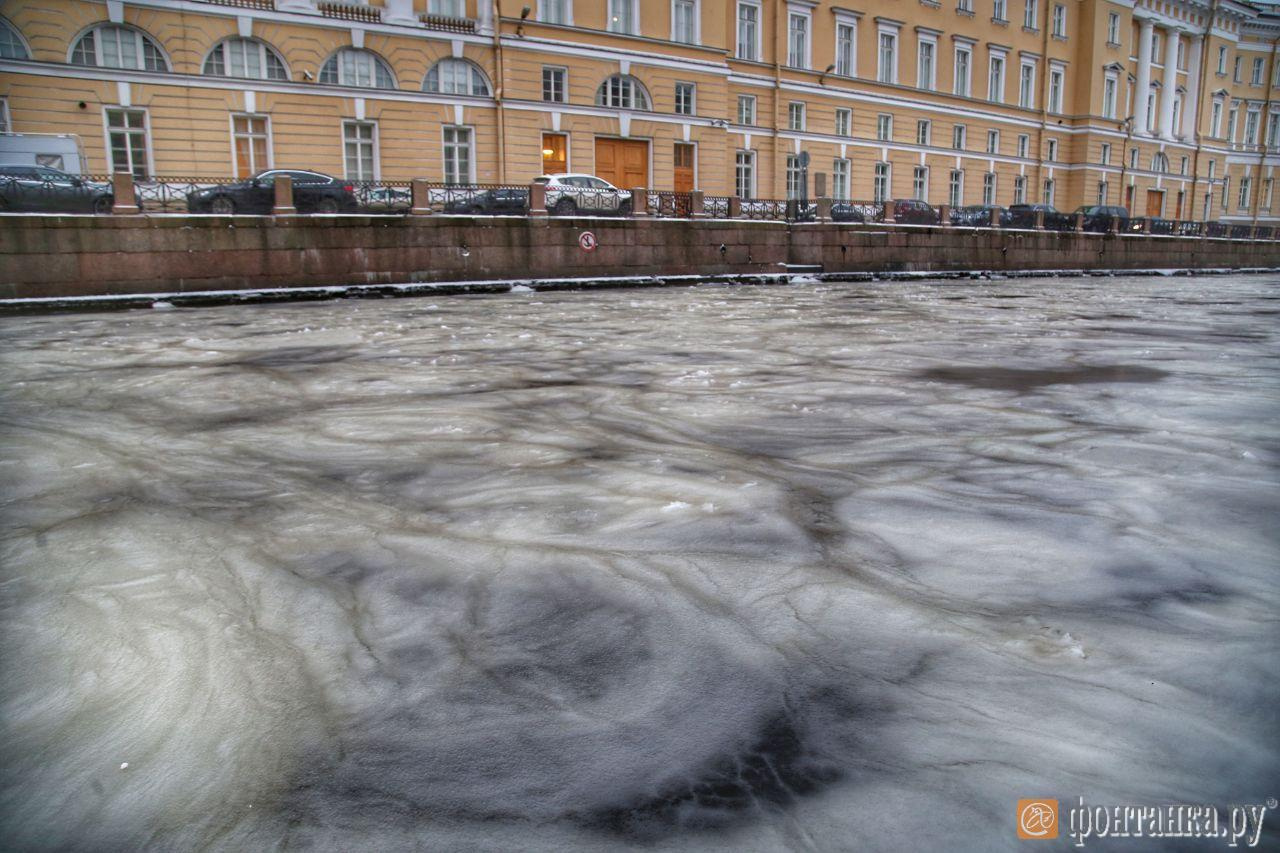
pixel 944 214
pixel 537 199
pixel 735 207
pixel 421 197
pixel 824 208
pixel 697 205
pixel 1039 219
pixel 890 211
pixel 125 201
pixel 639 201
pixel 995 217
pixel 1079 223
pixel 284 196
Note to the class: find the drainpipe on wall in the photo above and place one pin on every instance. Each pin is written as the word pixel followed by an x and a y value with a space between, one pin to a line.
pixel 779 35
pixel 1200 99
pixel 1266 121
pixel 1044 107
pixel 499 82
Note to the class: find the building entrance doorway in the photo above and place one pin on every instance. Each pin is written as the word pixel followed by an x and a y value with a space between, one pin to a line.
pixel 684 153
pixel 1155 203
pixel 623 162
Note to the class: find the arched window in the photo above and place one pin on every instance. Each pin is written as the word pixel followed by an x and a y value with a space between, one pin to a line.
pixel 1159 162
pixel 456 77
pixel 11 44
pixel 355 67
pixel 622 92
pixel 112 46
pixel 241 57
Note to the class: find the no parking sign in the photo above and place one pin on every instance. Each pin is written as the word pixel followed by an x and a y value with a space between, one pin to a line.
pixel 587 241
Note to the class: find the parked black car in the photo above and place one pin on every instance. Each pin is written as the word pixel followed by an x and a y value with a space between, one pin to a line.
pixel 44 189
pixel 313 192
pixel 843 211
pixel 1024 216
pixel 492 202
pixel 1098 217
pixel 912 211
pixel 979 215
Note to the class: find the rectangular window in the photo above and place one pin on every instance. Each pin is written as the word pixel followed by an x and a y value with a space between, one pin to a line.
pixel 1215 119
pixel 555 153
pixel 1246 186
pixel 744 174
pixel 1024 145
pixel 920 183
pixel 844 122
pixel 553 84
pixel 127 134
pixel 965 6
pixel 1133 158
pixel 1027 85
pixel 993 142
pixel 1255 79
pixel 888 68
pixel 846 41
pixel 1266 194
pixel 1056 85
pixel 964 64
pixel 251 142
pixel 1031 14
pixel 748 31
pixel 955 188
pixel 446 8
pixel 840 179
pixel 1020 189
pixel 999 11
pixel 880 183
pixel 1235 74
pixel 684 21
pixel 958 137
pixel 4 116
pixel 1226 191
pixel 1048 192
pixel 1104 154
pixel 1232 115
pixel 924 66
pixel 989 188
pixel 1059 21
pixel 924 129
pixel 685 99
pixel 1222 60
pixel 622 17
pixel 457 155
pixel 1113 28
pixel 995 79
pixel 747 109
pixel 1102 192
pixel 798 40
pixel 1182 166
pixel 1052 153
pixel 1182 55
pixel 1109 87
pixel 1273 129
pixel 360 161
pixel 795 115
pixel 795 177
pixel 553 11
pixel 884 127
pixel 1251 127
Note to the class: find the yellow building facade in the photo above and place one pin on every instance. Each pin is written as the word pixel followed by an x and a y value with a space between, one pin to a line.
pixel 1164 106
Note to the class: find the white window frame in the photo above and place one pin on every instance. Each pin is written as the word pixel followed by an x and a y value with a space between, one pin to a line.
pixel 6 123
pixel 795 177
pixel 141 55
pixel 1059 20
pixel 927 79
pixel 255 167
pixel 890 74
pixel 881 182
pixel 692 89
pixel 1024 145
pixel 1019 189
pixel 1104 154
pixel 989 188
pixel 564 84
pixel 962 84
pixel 793 113
pixel 632 15
pixel 744 159
pixel 1031 15
pixel 1102 192
pixel 924 132
pixel 1050 191
pixel 375 146
pixel 146 136
pixel 757 47
pixel 1215 118
pixel 748 101
pixel 471 152
pixel 696 35
pixel 846 65
pixel 920 183
pixel 884 127
pixel 1110 90
pixel 844 121
pixel 1252 123
pixel 1244 193
pixel 1000 11
pixel 955 188
pixel 959 137
pixel 567 5
pixel 264 51
pixel 799 55
pixel 1222 59
pixel 1255 75
pixel 1051 150
pixel 1027 84
pixel 1057 87
pixel 1113 28
pixel 993 141
pixel 840 172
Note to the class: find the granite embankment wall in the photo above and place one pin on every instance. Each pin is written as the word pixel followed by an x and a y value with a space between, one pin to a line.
pixel 67 256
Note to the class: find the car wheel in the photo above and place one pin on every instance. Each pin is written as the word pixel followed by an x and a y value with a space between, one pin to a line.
pixel 222 205
pixel 103 204
pixel 327 205
pixel 565 207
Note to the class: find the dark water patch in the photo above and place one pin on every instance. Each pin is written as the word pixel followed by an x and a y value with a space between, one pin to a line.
pixel 293 357
pixel 1029 379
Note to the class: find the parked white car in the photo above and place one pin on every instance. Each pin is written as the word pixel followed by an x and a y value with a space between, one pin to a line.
pixel 568 194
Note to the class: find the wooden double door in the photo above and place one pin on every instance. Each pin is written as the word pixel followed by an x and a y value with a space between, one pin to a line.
pixel 623 162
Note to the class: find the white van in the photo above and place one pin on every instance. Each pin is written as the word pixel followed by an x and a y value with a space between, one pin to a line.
pixel 63 151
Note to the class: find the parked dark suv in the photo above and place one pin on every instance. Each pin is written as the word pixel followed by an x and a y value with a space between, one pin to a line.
pixel 1024 216
pixel 1097 217
pixel 313 192
pixel 48 190
pixel 979 215
pixel 912 211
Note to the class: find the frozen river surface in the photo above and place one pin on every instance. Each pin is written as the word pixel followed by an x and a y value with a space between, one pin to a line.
pixel 819 567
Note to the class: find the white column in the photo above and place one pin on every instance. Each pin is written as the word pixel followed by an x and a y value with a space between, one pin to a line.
pixel 485 8
pixel 1143 88
pixel 1192 102
pixel 1170 85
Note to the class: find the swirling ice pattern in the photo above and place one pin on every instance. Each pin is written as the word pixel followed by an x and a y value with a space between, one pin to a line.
pixel 814 568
